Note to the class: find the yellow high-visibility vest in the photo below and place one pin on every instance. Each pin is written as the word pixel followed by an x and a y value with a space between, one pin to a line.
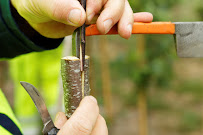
pixel 8 123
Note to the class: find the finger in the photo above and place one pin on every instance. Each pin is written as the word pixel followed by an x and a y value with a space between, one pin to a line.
pixel 100 127
pixel 84 118
pixel 65 11
pixel 143 17
pixel 60 120
pixel 126 22
pixel 93 20
pixel 93 8
pixel 111 14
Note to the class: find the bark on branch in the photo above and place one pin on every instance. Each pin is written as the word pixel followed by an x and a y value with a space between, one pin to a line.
pixel 72 83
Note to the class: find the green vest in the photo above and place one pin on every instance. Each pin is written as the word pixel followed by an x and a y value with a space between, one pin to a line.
pixel 8 122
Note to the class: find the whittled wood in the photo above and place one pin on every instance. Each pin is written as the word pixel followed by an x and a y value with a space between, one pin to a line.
pixel 72 83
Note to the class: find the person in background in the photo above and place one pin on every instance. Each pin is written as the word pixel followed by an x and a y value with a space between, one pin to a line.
pixel 37 25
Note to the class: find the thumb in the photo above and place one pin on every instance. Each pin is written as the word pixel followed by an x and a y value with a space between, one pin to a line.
pixel 83 119
pixel 66 11
pixel 60 120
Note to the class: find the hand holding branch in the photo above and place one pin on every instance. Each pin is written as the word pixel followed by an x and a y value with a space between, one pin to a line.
pixel 86 120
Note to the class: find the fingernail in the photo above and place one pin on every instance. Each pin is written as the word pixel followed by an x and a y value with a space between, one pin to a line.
pixel 57 116
pixel 107 25
pixel 75 16
pixel 93 99
pixel 129 27
pixel 90 16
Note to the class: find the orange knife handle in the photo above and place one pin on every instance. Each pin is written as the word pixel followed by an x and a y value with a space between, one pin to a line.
pixel 138 28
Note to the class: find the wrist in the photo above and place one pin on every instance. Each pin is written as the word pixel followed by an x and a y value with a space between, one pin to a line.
pixel 22 23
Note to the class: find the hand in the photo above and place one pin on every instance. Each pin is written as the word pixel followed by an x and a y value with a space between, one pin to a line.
pixel 86 120
pixel 59 18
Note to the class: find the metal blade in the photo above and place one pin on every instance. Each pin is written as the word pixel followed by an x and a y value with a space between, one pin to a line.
pixel 41 107
pixel 189 39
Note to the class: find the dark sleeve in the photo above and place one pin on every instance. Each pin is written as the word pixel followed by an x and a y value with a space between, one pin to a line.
pixel 17 37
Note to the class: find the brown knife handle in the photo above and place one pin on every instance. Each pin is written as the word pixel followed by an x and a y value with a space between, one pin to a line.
pixel 138 28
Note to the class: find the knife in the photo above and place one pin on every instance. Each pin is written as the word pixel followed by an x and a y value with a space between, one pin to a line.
pixel 49 128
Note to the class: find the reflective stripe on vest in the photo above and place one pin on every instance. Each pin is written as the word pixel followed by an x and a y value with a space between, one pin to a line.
pixel 3 131
pixel 9 125
pixel 7 118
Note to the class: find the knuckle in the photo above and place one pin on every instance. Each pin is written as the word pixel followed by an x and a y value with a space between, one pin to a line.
pixel 55 11
pixel 58 10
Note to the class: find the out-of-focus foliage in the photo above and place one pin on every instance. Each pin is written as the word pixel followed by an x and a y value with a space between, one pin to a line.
pixel 159 8
pixel 200 11
pixel 159 50
pixel 158 55
pixel 190 121
pixel 41 70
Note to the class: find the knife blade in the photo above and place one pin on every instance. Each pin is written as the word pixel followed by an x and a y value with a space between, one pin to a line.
pixel 49 128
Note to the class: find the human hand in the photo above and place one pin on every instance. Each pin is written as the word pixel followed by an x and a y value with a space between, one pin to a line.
pixel 86 120
pixel 59 18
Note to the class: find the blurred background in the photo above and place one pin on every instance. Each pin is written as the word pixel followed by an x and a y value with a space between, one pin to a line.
pixel 142 87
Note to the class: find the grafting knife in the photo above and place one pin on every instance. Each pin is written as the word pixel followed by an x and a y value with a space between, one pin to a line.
pixel 49 128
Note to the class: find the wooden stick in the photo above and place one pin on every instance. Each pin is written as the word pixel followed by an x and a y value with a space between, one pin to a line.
pixel 82 72
pixel 72 82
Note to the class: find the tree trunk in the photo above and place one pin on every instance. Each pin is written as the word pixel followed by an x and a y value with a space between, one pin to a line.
pixel 106 81
pixel 142 96
pixel 142 112
pixel 72 82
